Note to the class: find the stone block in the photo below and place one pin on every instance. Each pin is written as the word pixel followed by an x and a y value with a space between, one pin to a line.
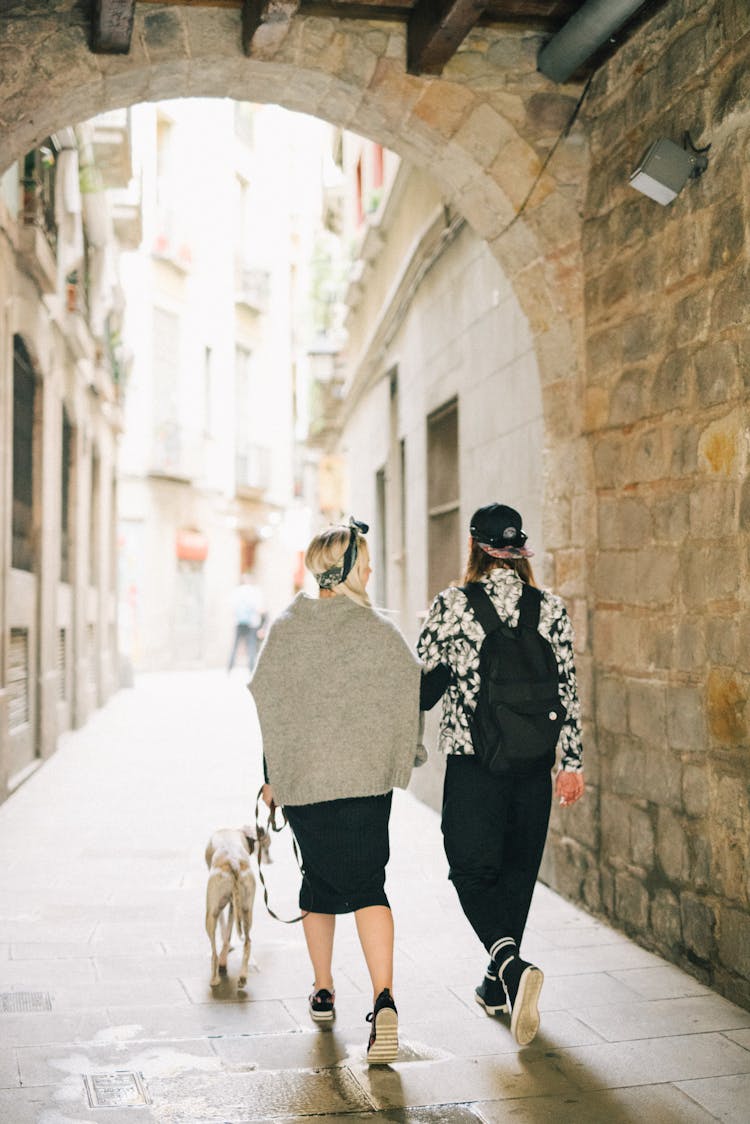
pixel 722 641
pixel 570 572
pixel 616 576
pixel 726 247
pixel 734 940
pixel 592 894
pixel 666 919
pixel 631 901
pixel 727 707
pixel 695 790
pixel 611 704
pixel 671 517
pixel 733 91
pixel 657 572
pixel 698 925
pixel 624 522
pixel 614 827
pixel 658 643
pixel 610 461
pixel 661 778
pixel 683 441
pixel 721 444
pixel 647 710
pixel 686 722
pixel 164 34
pixel 641 838
pixel 649 457
pixel 671 386
pixel 712 507
pixel 700 862
pixel 686 251
pixel 623 774
pixel 716 373
pixel 729 305
pixel 617 639
pixel 603 353
pixel 483 134
pixel 642 337
pixel 691 317
pixel 745 506
pixel 646 271
pixel 685 58
pixel 672 847
pixel 628 397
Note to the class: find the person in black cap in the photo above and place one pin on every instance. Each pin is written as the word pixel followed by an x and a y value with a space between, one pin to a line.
pixel 495 823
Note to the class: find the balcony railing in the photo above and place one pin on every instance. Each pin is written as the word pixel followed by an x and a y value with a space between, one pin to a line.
pixel 252 468
pixel 252 287
pixel 177 452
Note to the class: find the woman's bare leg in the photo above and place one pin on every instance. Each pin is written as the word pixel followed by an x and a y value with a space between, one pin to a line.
pixel 319 929
pixel 375 929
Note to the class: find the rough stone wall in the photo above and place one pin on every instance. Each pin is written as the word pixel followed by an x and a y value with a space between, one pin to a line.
pixel 663 848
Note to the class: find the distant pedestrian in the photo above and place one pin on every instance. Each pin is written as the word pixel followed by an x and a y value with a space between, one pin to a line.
pixel 495 822
pixel 249 618
pixel 337 692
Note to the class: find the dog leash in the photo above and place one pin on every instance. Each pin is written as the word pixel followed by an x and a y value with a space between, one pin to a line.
pixel 273 826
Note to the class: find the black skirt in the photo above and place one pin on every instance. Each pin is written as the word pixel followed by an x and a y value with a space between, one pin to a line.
pixel 344 847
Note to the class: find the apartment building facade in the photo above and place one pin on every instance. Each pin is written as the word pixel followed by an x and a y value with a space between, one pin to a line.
pixel 61 377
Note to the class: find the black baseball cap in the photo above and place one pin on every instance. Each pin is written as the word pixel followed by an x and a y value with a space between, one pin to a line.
pixel 498 526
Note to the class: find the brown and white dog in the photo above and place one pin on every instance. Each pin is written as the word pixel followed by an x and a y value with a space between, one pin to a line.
pixel 230 893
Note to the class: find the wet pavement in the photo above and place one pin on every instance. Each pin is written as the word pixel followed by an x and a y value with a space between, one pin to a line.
pixel 107 1014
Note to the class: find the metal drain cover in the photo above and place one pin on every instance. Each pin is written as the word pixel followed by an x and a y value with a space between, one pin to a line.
pixel 23 1002
pixel 121 1089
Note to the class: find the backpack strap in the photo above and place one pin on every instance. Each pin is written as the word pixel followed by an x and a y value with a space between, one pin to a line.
pixel 529 605
pixel 481 605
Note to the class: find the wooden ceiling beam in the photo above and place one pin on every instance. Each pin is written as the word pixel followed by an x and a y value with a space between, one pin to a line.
pixel 436 29
pixel 258 12
pixel 113 27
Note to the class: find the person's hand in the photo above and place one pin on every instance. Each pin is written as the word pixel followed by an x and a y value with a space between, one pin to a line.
pixel 267 796
pixel 569 787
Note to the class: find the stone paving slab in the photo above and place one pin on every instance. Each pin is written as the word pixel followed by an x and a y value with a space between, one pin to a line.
pixel 649 1104
pixel 725 1098
pixel 128 803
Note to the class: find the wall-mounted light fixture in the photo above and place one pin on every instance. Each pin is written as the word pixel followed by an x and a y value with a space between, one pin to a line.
pixel 666 168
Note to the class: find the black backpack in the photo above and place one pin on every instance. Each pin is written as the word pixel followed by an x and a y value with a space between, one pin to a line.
pixel 518 715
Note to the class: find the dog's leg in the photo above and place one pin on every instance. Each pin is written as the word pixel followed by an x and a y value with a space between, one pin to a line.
pixel 226 932
pixel 247 894
pixel 211 930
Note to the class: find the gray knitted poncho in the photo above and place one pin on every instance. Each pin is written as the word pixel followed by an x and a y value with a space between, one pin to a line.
pixel 337 692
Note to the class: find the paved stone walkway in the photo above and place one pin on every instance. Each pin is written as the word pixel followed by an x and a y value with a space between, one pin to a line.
pixel 104 964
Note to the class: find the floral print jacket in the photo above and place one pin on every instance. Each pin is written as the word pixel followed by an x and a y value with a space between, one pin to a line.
pixel 451 635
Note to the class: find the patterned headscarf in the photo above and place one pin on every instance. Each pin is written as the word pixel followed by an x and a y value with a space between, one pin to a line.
pixel 337 574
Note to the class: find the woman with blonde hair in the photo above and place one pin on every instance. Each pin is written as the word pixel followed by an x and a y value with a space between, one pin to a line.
pixel 337 692
pixel 496 804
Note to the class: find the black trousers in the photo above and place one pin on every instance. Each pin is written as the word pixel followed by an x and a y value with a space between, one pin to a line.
pixel 494 830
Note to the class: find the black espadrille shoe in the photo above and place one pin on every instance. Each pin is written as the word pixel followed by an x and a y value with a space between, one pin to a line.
pixel 383 1045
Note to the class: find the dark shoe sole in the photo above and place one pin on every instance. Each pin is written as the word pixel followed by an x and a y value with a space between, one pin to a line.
pixel 385 1047
pixel 501 1010
pixel 524 1019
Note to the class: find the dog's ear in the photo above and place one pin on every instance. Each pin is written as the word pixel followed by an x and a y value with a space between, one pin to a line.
pixel 249 833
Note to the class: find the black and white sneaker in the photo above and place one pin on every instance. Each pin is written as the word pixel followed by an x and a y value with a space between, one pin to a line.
pixel 322 1008
pixel 491 994
pixel 523 984
pixel 383 1045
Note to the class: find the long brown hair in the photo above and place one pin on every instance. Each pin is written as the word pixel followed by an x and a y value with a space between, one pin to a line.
pixel 479 563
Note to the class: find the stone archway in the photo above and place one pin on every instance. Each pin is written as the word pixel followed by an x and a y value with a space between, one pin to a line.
pixel 482 130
